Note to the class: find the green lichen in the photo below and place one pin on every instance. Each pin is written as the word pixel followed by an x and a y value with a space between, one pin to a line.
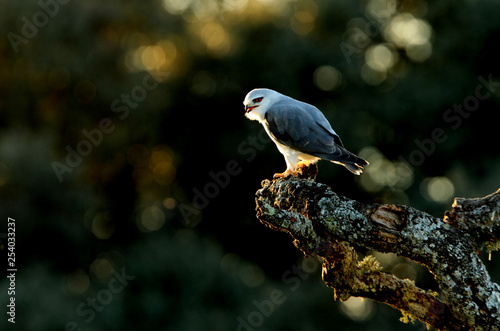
pixel 370 262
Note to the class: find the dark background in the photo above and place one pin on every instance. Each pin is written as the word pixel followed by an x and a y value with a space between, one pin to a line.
pixel 150 94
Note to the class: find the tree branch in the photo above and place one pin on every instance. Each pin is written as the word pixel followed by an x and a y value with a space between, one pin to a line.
pixel 325 224
pixel 479 218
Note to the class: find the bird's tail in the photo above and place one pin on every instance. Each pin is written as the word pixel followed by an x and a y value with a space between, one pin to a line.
pixel 351 161
pixel 354 167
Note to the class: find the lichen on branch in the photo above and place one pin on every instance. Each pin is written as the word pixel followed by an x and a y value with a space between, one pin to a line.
pixel 328 225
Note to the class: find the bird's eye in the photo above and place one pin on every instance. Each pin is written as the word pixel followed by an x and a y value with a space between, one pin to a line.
pixel 257 100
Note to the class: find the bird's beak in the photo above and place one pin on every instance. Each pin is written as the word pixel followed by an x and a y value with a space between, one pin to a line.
pixel 249 108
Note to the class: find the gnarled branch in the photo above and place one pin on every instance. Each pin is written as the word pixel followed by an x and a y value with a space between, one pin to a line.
pixel 325 224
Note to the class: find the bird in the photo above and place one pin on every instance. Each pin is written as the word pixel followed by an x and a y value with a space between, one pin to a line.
pixel 300 131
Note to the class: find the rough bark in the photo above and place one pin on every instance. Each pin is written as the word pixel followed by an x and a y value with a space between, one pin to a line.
pixel 327 225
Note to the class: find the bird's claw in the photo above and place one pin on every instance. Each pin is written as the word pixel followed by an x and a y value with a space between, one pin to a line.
pixel 287 173
pixel 303 171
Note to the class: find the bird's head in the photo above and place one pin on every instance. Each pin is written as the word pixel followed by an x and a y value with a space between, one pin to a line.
pixel 258 101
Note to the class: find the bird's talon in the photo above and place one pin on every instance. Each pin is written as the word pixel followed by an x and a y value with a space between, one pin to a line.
pixel 286 174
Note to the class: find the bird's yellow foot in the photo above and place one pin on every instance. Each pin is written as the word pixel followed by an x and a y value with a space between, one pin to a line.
pixel 287 173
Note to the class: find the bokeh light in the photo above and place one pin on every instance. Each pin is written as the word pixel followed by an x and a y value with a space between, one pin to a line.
pixel 327 78
pixel 383 173
pixel 302 22
pixel 151 219
pixel 412 34
pixel 216 38
pixel 153 57
pixel 358 309
pixel 234 5
pixel 103 225
pixel 169 203
pixel 381 57
pixel 372 76
pixel 162 164
pixel 251 275
pixel 381 10
pixel 102 268
pixel 78 282
pixel 438 189
pixel 176 7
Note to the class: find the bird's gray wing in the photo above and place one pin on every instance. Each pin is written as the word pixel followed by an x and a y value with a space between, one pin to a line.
pixel 302 127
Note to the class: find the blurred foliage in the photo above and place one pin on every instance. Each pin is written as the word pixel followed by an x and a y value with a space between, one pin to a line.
pixel 123 146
